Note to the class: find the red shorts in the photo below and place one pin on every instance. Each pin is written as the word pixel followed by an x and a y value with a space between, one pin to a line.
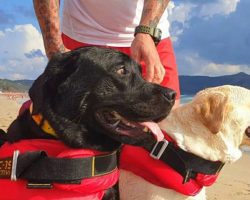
pixel 166 53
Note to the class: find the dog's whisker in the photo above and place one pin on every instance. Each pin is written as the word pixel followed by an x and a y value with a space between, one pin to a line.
pixel 116 115
pixel 116 123
pixel 77 118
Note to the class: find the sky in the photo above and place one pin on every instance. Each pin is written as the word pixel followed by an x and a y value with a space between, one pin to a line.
pixel 210 38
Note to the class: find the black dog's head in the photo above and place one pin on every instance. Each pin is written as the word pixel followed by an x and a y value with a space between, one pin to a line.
pixel 96 97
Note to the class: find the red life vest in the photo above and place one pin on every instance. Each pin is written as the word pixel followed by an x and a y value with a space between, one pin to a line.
pixel 138 161
pixel 89 189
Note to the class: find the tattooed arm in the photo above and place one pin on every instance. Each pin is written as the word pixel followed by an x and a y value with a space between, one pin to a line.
pixel 47 12
pixel 152 12
pixel 143 47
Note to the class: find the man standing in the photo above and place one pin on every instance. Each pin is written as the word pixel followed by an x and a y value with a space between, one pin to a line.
pixel 138 28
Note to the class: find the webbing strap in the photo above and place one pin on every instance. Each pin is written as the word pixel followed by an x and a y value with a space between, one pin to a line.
pixel 36 166
pixel 185 163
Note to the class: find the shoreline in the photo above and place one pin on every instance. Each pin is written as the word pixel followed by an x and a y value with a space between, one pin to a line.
pixel 14 95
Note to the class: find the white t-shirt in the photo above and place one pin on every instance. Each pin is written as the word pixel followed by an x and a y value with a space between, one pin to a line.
pixel 105 22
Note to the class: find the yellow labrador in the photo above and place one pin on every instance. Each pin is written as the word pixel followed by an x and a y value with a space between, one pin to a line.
pixel 212 126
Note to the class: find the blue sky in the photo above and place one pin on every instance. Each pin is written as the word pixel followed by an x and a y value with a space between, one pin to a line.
pixel 210 38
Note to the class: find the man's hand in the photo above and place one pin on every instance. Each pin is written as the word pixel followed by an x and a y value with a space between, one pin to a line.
pixel 143 49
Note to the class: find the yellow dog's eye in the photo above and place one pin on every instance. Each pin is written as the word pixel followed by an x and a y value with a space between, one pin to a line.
pixel 121 70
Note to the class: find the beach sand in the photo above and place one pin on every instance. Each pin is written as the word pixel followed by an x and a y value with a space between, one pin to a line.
pixel 8 111
pixel 232 184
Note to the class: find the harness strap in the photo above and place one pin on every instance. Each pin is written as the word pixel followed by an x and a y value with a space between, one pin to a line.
pixel 185 163
pixel 36 166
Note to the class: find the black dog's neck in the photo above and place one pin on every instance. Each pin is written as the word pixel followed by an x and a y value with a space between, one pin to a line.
pixel 24 127
pixel 93 141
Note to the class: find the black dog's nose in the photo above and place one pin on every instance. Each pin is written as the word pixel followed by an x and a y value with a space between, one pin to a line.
pixel 169 94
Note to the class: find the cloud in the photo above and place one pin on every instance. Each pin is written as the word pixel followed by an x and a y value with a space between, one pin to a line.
pixel 179 17
pixel 184 11
pixel 22 55
pixel 34 53
pixel 221 39
pixel 215 33
pixel 193 63
pixel 220 7
pixel 181 13
pixel 210 8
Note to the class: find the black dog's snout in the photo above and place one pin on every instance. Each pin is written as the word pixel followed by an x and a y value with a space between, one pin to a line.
pixel 169 94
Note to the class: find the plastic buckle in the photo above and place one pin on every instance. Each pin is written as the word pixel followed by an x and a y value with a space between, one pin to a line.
pixel 158 155
pixel 39 186
pixel 14 165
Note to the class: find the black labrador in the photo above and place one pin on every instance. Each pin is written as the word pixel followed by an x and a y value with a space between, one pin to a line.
pixel 93 98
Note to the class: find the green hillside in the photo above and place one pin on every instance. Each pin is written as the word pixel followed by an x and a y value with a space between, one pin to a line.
pixel 188 84
pixel 15 86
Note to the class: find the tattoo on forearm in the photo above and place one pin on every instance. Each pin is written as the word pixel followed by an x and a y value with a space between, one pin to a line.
pixel 154 22
pixel 47 12
pixel 152 12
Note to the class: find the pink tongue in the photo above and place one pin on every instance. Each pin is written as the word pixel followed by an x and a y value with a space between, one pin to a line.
pixel 155 129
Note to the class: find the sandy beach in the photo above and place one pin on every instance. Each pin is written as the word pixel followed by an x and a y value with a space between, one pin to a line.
pixel 232 184
pixel 8 110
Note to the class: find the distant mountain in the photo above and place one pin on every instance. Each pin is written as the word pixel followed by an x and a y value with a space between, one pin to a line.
pixel 15 86
pixel 189 84
pixel 192 84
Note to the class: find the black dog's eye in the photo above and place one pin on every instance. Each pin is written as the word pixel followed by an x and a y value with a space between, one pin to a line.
pixel 121 70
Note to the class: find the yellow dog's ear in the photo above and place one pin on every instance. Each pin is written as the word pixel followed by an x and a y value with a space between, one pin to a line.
pixel 211 110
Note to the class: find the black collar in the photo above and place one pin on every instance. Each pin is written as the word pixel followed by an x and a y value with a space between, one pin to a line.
pixel 41 170
pixel 185 163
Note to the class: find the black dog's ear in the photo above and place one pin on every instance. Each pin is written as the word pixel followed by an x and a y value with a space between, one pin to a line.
pixel 59 67
pixel 2 137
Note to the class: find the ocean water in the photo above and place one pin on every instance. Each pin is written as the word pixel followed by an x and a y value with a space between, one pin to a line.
pixel 245 149
pixel 22 100
pixel 186 98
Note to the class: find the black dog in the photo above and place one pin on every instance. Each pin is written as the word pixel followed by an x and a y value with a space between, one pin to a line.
pixel 93 98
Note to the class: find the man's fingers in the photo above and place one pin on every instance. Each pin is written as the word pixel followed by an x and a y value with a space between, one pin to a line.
pixel 155 73
pixel 159 74
pixel 143 49
pixel 136 56
pixel 150 73
pixel 66 50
